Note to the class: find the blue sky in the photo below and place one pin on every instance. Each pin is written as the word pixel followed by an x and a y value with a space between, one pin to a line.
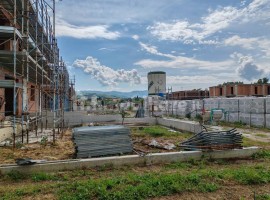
pixel 113 44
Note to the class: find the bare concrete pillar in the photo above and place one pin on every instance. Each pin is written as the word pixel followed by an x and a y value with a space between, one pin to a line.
pixel 236 90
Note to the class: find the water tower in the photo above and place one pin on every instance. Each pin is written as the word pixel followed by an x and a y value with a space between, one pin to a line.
pixel 156 83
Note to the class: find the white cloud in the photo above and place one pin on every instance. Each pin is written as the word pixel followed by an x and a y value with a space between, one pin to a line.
pixel 105 49
pixel 249 43
pixel 178 61
pixel 246 43
pixel 215 21
pixel 181 62
pixel 106 75
pixel 135 37
pixel 153 50
pixel 84 32
pixel 247 69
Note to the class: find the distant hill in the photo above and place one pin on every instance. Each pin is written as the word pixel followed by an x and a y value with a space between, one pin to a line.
pixel 115 94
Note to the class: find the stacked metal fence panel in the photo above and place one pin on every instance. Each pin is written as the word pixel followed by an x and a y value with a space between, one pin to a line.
pixel 101 141
pixel 217 140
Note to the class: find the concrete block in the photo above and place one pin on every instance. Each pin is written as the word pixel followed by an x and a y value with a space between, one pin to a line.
pixel 229 104
pixel 232 117
pixel 190 126
pixel 267 116
pixel 253 119
pixel 251 105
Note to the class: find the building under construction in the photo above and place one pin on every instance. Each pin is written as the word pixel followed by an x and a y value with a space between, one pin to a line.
pixel 34 79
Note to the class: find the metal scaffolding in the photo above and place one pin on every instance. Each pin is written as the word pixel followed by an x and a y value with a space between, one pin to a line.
pixel 30 60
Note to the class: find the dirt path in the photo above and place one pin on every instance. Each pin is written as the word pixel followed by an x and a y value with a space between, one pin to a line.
pixel 259 135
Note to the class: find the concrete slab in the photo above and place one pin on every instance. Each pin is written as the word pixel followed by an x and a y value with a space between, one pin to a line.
pixel 116 161
pixel 190 126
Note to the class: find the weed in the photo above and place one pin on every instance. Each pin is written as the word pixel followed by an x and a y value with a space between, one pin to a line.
pixel 41 176
pixel 105 167
pixel 15 175
pixel 20 192
pixel 178 165
pixel 263 197
pixel 208 187
pixel 261 154
pixel 19 145
pixel 44 141
pixel 252 176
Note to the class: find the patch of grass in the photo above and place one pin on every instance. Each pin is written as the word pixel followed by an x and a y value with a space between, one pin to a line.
pixel 154 131
pixel 261 135
pixel 41 176
pixel 252 176
pixel 263 197
pixel 26 190
pixel 15 175
pixel 178 165
pixel 158 131
pixel 142 183
pixel 135 186
pixel 261 154
pixel 239 124
pixel 247 142
pixel 208 187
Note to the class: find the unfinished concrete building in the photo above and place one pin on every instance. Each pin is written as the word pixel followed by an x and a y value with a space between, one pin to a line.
pixel 189 94
pixel 240 90
pixel 34 79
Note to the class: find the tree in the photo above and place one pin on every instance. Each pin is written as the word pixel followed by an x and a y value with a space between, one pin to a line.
pixel 260 81
pixel 265 80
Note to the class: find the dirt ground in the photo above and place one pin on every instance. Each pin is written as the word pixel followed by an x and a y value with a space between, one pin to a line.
pixel 227 192
pixel 63 149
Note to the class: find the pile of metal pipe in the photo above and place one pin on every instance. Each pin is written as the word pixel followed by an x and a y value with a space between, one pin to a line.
pixel 93 141
pixel 216 140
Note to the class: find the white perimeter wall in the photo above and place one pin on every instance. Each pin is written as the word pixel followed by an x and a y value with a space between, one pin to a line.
pixel 250 110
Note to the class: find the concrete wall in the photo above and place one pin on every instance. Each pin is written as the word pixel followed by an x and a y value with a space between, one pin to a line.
pixel 81 117
pixel 250 110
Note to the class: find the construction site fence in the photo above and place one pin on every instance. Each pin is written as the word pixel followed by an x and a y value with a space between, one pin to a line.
pixel 253 111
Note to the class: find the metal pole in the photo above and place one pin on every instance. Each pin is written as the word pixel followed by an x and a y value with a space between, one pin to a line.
pixel 36 59
pixel 23 65
pixel 27 68
pixel 42 63
pixel 54 73
pixel 14 74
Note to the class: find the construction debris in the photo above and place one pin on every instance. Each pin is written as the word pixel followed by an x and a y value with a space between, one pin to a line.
pixel 166 146
pixel 28 161
pixel 101 141
pixel 218 140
